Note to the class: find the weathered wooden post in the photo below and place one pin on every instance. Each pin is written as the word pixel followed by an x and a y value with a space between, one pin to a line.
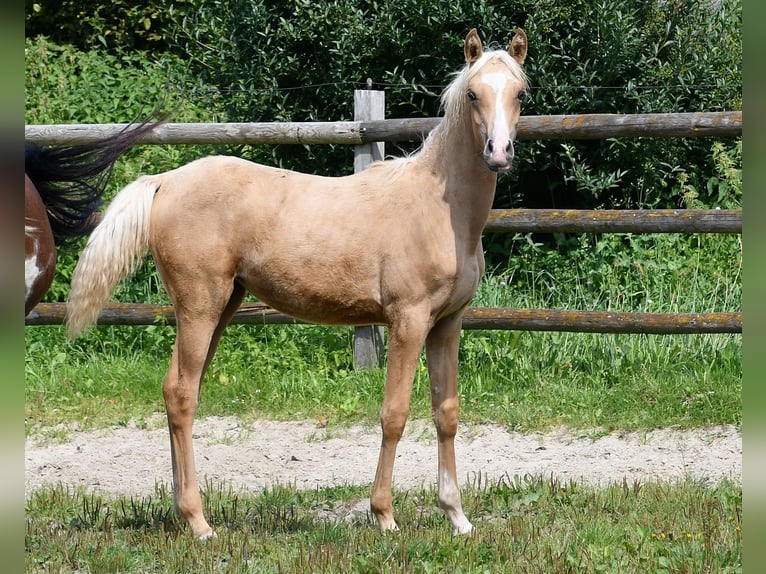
pixel 369 104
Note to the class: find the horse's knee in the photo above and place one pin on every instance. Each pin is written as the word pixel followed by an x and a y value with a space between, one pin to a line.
pixel 179 402
pixel 392 424
pixel 445 417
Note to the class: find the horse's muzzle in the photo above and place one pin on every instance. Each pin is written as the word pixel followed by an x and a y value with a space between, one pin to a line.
pixel 498 155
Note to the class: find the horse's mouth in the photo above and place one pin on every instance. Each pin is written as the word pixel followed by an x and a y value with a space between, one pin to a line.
pixel 499 167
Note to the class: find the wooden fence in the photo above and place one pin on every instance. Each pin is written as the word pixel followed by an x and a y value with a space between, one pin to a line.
pixel 366 133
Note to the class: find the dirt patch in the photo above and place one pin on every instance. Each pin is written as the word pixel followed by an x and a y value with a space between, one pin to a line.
pixel 132 461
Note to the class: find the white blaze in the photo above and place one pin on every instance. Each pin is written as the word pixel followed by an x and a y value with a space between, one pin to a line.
pixel 500 135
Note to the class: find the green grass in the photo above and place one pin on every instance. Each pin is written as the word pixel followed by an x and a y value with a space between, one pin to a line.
pixel 524 524
pixel 527 381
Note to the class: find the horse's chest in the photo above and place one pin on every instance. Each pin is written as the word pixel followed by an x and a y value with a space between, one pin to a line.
pixel 459 285
pixel 467 280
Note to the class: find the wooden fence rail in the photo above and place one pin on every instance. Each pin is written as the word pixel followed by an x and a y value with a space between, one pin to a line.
pixel 615 221
pixel 572 127
pixel 475 318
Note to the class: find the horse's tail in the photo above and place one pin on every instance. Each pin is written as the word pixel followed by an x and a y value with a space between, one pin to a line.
pixel 71 179
pixel 114 249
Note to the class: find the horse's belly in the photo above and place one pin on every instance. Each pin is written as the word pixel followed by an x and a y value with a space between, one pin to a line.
pixel 322 303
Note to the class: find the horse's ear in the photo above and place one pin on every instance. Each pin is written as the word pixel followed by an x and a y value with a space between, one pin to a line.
pixel 518 47
pixel 473 49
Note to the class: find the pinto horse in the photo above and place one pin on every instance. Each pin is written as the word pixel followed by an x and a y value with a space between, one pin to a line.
pixel 398 244
pixel 63 189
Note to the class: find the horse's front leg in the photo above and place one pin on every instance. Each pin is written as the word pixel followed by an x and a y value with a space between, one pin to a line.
pixel 442 352
pixel 405 342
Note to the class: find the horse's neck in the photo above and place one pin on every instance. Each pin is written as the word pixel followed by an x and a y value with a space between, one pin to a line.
pixel 468 186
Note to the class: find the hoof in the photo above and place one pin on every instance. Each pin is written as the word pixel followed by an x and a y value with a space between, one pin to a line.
pixel 463 529
pixel 387 525
pixel 209 535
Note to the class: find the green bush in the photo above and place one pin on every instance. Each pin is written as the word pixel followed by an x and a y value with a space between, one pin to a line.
pixel 616 57
pixel 117 24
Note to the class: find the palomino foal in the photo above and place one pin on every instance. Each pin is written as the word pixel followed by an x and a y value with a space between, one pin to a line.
pixel 398 244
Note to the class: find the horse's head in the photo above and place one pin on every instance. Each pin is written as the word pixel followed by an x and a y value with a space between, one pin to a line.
pixel 494 89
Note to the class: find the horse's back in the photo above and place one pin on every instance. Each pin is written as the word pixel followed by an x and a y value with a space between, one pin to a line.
pixel 214 198
pixel 231 195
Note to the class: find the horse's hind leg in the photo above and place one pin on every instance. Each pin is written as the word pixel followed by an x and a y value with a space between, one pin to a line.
pixel 196 341
pixel 405 343
pixel 442 353
pixel 180 390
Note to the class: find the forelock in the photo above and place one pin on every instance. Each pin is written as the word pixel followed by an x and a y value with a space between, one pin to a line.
pixel 453 97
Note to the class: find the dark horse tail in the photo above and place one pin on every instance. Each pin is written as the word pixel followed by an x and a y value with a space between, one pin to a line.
pixel 71 179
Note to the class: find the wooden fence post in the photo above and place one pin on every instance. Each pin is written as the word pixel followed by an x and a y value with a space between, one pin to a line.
pixel 369 104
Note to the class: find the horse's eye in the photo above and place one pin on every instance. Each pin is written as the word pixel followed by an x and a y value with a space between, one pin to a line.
pixel 522 95
pixel 471 95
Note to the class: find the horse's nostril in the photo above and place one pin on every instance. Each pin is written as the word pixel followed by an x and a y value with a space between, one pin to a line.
pixel 508 146
pixel 490 146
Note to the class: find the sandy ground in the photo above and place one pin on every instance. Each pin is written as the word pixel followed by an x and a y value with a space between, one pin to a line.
pixel 132 461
